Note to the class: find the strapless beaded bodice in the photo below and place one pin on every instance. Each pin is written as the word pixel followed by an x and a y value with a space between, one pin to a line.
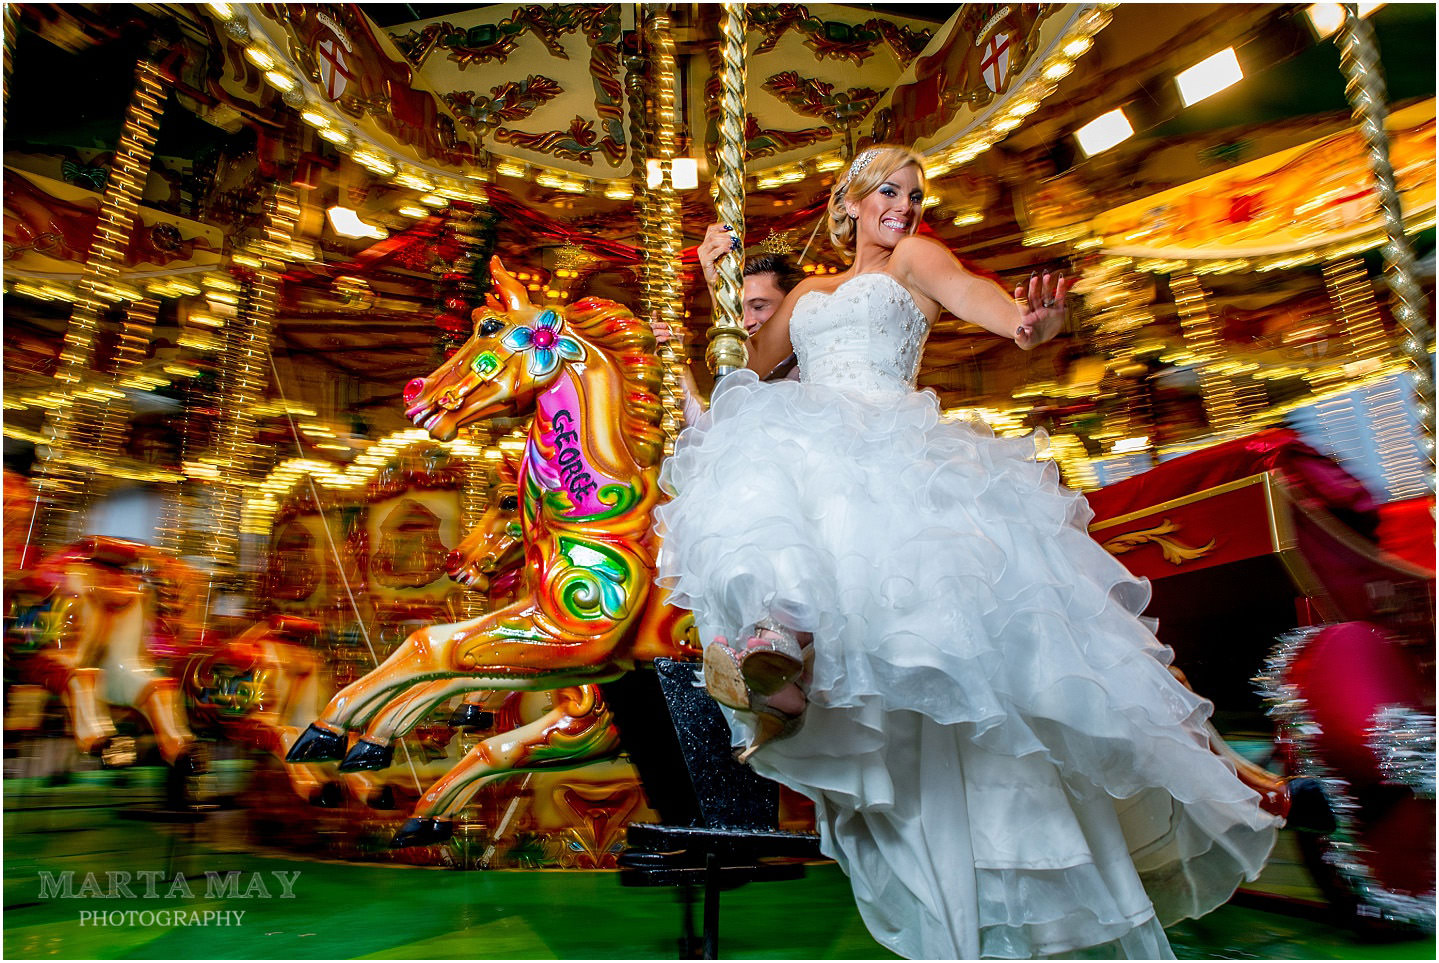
pixel 866 335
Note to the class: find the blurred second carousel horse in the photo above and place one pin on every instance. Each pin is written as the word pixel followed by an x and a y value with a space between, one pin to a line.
pixel 85 623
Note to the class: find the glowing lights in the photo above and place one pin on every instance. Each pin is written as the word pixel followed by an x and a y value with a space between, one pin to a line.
pixel 508 169
pixel 282 82
pixel 1077 46
pixel 1326 18
pixel 457 193
pixel 684 172
pixel 1057 69
pixel 619 192
pixel 347 223
pixel 415 182
pixel 829 163
pixel 412 210
pixel 260 57
pixel 337 137
pixel 1209 77
pixel 374 162
pixel 1104 132
pixel 1129 446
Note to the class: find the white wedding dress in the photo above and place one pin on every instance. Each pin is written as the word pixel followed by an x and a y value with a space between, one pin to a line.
pixel 998 758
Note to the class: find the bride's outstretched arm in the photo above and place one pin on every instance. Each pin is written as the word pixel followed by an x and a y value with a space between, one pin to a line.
pixel 1033 316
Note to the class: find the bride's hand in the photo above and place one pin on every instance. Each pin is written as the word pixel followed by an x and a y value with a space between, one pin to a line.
pixel 1043 310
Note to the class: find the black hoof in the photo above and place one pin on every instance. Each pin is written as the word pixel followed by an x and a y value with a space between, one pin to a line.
pixel 182 782
pixel 316 745
pixel 330 796
pixel 366 755
pixel 472 717
pixel 422 832
pixel 384 799
pixel 1309 809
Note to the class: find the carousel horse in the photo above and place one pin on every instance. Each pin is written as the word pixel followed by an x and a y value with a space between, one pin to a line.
pixel 87 623
pixel 258 689
pixel 587 610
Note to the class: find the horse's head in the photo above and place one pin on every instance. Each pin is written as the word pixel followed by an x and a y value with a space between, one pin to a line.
pixel 517 349
pixel 493 550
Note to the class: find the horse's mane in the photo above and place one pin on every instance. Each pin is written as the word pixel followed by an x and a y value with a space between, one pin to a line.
pixel 612 327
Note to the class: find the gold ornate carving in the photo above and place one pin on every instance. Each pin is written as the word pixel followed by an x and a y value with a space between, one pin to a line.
pixel 1175 551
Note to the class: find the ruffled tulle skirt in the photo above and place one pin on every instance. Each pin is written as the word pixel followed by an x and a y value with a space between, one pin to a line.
pixel 998 757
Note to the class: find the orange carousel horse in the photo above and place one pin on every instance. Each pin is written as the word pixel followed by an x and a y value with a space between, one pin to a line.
pixel 587 610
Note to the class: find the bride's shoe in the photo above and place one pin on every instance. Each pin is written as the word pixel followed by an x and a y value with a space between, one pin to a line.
pixel 772 658
pixel 778 715
pixel 773 722
pixel 723 677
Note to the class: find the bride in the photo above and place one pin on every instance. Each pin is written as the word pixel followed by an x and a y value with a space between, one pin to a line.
pixel 912 627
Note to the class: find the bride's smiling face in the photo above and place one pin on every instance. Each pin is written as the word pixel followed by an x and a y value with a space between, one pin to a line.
pixel 892 210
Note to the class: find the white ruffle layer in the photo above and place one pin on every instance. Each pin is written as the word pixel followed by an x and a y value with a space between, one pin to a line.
pixel 997 755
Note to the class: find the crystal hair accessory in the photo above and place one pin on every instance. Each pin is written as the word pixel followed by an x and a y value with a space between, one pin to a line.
pixel 778 243
pixel 860 163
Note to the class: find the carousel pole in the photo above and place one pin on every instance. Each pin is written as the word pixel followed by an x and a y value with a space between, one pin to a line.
pixel 1364 85
pixel 662 237
pixel 244 375
pixel 636 68
pixel 72 425
pixel 726 338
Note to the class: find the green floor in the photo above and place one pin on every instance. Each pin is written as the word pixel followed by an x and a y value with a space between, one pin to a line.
pixel 356 910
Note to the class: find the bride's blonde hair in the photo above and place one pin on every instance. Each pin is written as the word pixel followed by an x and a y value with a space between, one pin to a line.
pixel 870 169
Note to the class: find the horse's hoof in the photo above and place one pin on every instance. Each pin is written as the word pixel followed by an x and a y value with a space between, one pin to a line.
pixel 328 796
pixel 316 745
pixel 366 755
pixel 422 832
pixel 384 799
pixel 116 752
pixel 182 783
pixel 472 717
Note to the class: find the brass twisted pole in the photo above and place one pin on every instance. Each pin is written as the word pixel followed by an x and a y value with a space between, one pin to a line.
pixel 1364 86
pixel 726 337
pixel 246 371
pixel 663 239
pixel 72 427
pixel 635 67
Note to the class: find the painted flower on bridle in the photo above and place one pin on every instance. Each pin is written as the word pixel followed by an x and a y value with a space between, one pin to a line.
pixel 544 343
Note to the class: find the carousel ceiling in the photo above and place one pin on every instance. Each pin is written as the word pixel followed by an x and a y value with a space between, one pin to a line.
pixel 412 115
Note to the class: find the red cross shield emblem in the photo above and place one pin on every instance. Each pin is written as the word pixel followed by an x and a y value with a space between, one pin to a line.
pixel 335 72
pixel 994 62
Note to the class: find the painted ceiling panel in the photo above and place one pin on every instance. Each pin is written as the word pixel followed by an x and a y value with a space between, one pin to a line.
pixel 538 83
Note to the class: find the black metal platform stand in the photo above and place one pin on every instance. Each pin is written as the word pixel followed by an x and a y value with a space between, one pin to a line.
pixel 721 821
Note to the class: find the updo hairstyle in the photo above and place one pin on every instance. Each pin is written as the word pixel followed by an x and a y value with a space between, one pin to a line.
pixel 876 165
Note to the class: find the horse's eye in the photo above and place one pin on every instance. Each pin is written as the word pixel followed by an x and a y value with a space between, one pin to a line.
pixel 491 326
pixel 509 503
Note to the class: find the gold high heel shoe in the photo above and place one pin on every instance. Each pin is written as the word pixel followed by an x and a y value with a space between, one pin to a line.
pixel 726 681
